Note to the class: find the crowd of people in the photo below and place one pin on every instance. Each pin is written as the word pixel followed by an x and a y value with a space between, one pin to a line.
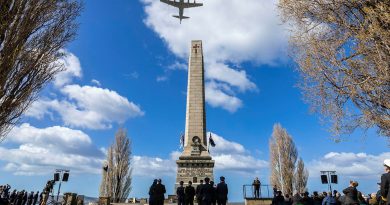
pixel 206 193
pixel 349 196
pixel 18 197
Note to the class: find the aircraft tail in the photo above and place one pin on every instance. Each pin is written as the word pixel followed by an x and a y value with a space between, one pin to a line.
pixel 183 17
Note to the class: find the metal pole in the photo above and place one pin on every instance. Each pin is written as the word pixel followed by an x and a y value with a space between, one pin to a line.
pixel 59 188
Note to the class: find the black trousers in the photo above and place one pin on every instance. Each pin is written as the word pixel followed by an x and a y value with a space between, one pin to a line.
pixel 257 193
pixel 189 202
pixel 221 202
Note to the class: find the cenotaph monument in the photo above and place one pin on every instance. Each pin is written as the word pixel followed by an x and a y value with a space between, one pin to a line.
pixel 195 162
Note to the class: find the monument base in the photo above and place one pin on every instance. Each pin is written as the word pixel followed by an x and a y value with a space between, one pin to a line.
pixel 194 169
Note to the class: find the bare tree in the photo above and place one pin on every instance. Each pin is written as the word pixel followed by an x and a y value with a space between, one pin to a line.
pixel 283 156
pixel 116 179
pixel 342 49
pixel 301 177
pixel 32 32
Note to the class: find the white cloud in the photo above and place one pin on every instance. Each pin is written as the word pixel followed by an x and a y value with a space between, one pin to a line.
pixel 87 107
pixel 161 78
pixel 216 97
pixel 178 66
pixel 231 31
pixel 352 165
pixel 228 155
pixel 72 68
pixel 235 78
pixel 155 166
pixel 35 151
pixel 96 82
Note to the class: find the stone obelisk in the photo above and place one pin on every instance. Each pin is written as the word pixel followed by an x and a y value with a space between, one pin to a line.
pixel 195 162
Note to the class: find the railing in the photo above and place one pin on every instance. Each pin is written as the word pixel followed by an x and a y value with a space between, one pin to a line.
pixel 249 191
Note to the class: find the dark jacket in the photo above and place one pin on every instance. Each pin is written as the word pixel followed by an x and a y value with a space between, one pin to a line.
pixel 159 191
pixel 206 192
pixel 189 192
pixel 385 184
pixel 180 193
pixel 222 191
pixel 278 200
pixel 198 190
pixel 351 196
pixel 256 184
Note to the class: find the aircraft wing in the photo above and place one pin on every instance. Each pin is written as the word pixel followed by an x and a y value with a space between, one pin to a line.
pixel 172 3
pixel 190 5
pixel 182 4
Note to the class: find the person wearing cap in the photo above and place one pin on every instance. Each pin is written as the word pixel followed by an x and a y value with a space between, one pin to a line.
pixel 222 191
pixel 189 194
pixel 351 194
pixel 385 183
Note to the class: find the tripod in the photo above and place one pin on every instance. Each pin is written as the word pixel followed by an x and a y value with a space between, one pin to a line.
pixel 51 200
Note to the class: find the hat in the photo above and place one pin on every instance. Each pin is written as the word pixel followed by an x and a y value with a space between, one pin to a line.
pixel 386 162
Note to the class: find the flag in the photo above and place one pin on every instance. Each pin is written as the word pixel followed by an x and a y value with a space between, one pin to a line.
pixel 211 141
pixel 182 141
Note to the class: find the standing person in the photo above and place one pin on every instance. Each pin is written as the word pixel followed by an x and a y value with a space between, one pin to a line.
pixel 256 186
pixel 206 192
pixel 287 199
pixel 41 197
pixel 296 198
pixel 329 199
pixel 213 194
pixel 189 192
pixel 30 198
pixel 316 199
pixel 385 183
pixel 159 192
pixel 351 194
pixel 152 198
pixel 19 198
pixel 12 197
pixel 24 199
pixel 222 191
pixel 275 190
pixel 307 200
pixel 278 199
pixel 35 199
pixel 180 194
pixel 198 193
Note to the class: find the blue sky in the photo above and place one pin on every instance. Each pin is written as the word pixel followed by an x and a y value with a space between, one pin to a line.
pixel 127 68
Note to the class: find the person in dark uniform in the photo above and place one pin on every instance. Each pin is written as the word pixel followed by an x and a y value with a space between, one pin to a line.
pixel 351 194
pixel 275 189
pixel 30 198
pixel 189 192
pixel 213 194
pixel 278 199
pixel 24 199
pixel 222 191
pixel 385 183
pixel 35 198
pixel 180 194
pixel 256 187
pixel 159 192
pixel 206 192
pixel 198 194
pixel 12 197
pixel 152 199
